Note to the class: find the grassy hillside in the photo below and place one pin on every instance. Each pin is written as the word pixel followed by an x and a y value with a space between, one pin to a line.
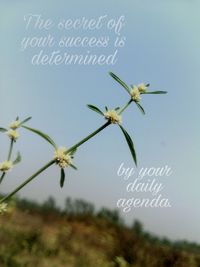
pixel 33 235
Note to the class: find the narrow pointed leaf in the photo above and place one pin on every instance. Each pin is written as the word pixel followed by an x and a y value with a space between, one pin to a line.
pixel 73 167
pixel 140 108
pixel 130 144
pixel 24 121
pixel 3 130
pixel 62 177
pixel 41 134
pixel 72 152
pixel 18 159
pixel 120 81
pixel 2 177
pixel 95 109
pixel 106 108
pixel 155 92
pixel 117 108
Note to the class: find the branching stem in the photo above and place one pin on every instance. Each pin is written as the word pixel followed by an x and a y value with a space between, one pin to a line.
pixel 46 166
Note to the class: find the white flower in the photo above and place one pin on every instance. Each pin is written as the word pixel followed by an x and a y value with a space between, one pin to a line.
pixel 142 87
pixel 14 124
pixel 13 134
pixel 6 165
pixel 3 208
pixel 62 158
pixel 135 93
pixel 113 116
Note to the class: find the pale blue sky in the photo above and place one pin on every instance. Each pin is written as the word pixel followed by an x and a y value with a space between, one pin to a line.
pixel 162 48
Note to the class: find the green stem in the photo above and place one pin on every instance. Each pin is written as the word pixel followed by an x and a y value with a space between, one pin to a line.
pixel 125 107
pixel 10 149
pixel 28 180
pixel 8 158
pixel 69 150
pixel 88 137
pixel 52 162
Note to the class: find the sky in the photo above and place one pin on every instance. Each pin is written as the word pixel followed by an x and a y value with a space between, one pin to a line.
pixel 162 48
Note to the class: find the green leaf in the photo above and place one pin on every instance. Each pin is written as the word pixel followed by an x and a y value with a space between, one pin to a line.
pixel 24 121
pixel 2 177
pixel 18 159
pixel 130 144
pixel 117 108
pixel 62 177
pixel 72 152
pixel 126 87
pixel 3 130
pixel 43 135
pixel 73 166
pixel 140 107
pixel 106 108
pixel 95 109
pixel 155 92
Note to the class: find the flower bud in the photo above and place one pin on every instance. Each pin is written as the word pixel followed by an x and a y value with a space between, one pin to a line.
pixel 113 116
pixel 3 208
pixel 142 87
pixel 13 134
pixel 14 124
pixel 6 165
pixel 135 94
pixel 62 158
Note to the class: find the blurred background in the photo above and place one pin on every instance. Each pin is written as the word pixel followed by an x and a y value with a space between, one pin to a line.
pixel 162 48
